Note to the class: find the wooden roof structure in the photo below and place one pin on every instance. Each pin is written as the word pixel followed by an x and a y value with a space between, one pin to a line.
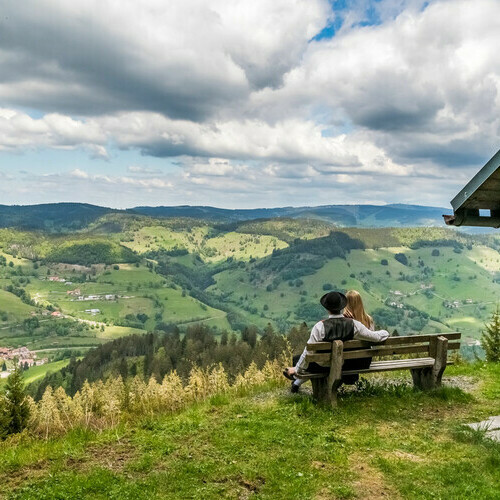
pixel 482 193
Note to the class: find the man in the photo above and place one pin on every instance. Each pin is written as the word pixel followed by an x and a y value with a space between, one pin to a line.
pixel 336 327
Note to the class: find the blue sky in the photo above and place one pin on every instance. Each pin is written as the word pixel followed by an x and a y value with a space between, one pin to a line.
pixel 238 104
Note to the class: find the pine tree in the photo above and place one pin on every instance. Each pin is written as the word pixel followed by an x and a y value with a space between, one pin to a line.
pixel 17 404
pixel 4 367
pixel 490 341
pixel 4 417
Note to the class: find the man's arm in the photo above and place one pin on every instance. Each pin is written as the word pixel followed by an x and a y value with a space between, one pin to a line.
pixel 363 333
pixel 317 335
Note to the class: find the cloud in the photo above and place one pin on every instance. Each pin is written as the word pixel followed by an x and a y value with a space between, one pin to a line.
pixel 422 87
pixel 149 183
pixel 18 131
pixel 139 169
pixel 246 99
pixel 184 59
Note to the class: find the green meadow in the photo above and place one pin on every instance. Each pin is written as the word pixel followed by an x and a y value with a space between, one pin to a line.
pixel 385 440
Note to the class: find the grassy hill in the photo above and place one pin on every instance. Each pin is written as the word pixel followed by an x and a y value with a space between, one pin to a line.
pixel 383 441
pixel 129 273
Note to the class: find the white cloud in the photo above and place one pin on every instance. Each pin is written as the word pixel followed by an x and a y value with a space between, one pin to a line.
pixel 248 104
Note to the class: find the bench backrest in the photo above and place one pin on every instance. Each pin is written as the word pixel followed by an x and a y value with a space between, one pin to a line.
pixel 413 344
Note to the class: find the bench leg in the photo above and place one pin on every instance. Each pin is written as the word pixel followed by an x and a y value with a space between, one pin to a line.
pixel 430 377
pixel 422 378
pixel 320 389
pixel 323 393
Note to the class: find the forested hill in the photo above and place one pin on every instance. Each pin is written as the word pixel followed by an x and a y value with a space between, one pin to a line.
pixel 344 215
pixel 55 217
pixel 66 217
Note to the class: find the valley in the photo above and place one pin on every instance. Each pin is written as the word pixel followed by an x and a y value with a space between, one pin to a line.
pixel 125 274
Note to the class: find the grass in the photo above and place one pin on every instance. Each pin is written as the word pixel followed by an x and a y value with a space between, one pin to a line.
pixel 384 441
pixel 362 270
pixel 37 372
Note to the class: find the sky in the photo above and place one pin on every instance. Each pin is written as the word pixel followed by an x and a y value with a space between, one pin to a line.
pixel 244 104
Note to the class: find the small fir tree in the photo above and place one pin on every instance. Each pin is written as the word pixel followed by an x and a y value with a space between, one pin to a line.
pixel 4 417
pixel 16 402
pixel 490 340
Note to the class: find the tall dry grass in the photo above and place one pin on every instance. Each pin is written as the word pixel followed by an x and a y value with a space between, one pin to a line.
pixel 103 405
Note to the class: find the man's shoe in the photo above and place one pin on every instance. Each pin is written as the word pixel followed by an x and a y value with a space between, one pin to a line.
pixel 295 388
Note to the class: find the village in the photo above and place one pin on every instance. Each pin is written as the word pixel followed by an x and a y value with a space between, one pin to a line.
pixel 22 356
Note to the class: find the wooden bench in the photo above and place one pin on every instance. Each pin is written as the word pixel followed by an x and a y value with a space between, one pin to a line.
pixel 426 371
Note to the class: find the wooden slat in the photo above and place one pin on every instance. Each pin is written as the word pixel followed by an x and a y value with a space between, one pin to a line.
pixel 410 339
pixel 381 366
pixel 385 351
pixel 320 346
pixel 384 366
pixel 389 351
pixel 322 359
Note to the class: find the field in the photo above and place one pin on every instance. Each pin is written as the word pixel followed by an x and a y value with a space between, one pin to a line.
pixel 383 441
pixel 38 372
pixel 456 277
pixel 228 277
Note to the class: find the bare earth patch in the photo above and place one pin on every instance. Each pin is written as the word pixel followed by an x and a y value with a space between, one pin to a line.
pixel 371 483
pixel 15 479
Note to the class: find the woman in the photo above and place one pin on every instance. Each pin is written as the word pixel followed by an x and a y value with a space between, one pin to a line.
pixel 355 309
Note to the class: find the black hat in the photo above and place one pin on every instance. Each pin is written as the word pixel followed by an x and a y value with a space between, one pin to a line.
pixel 333 301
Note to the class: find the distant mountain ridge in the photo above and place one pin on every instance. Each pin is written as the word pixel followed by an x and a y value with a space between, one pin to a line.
pixel 344 215
pixel 60 217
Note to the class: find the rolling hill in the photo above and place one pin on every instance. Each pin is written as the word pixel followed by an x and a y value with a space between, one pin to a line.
pixel 127 273
pixel 66 217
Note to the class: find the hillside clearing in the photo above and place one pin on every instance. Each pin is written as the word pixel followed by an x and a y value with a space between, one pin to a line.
pixel 384 440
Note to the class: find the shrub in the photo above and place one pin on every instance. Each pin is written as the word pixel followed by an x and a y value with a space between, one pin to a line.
pixel 401 257
pixel 490 340
pixel 384 262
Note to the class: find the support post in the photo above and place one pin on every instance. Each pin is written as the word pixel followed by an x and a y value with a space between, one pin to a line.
pixel 335 375
pixel 440 350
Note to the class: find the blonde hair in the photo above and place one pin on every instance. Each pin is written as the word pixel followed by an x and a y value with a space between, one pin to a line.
pixel 356 308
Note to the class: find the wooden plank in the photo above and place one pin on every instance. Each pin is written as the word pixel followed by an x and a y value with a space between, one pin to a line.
pixel 385 351
pixel 389 351
pixel 335 375
pixel 409 339
pixel 380 366
pixel 322 359
pixel 319 346
pixel 441 357
pixel 384 366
